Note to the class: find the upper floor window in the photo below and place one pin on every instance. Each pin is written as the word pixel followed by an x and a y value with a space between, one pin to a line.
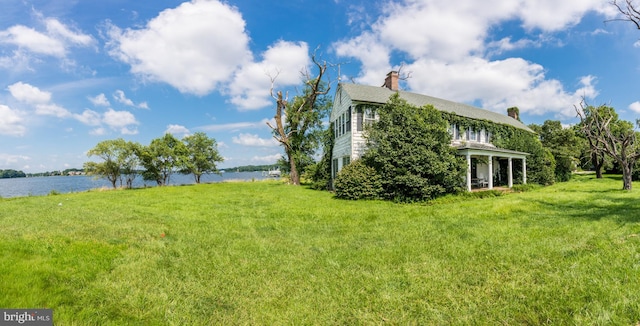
pixel 365 114
pixel 454 130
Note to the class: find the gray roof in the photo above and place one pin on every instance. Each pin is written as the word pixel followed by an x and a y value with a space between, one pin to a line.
pixel 373 94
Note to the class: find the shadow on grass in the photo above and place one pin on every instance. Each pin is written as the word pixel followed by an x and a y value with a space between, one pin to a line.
pixel 622 210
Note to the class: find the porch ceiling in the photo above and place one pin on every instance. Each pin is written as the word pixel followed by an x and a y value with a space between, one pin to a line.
pixel 487 150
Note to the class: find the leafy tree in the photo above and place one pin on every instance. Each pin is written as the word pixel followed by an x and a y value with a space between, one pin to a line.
pixel 320 172
pixel 563 145
pixel 410 148
pixel 298 123
pixel 5 174
pixel 616 138
pixel 117 157
pixel 161 158
pixel 130 162
pixel 599 159
pixel 202 155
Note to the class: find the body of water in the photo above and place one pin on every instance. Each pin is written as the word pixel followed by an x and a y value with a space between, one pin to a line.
pixel 38 186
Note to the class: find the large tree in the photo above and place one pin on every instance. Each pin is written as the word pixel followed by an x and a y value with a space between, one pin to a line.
pixel 597 155
pixel 616 138
pixel 118 157
pixel 562 143
pixel 410 148
pixel 202 155
pixel 161 158
pixel 298 123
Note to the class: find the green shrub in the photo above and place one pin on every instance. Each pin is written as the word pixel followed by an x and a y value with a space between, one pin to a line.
pixel 358 181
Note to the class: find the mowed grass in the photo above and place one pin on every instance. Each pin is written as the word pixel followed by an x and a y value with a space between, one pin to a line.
pixel 269 253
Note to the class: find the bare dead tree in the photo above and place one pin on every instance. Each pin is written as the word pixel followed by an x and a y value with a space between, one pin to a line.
pixel 298 120
pixel 629 10
pixel 611 136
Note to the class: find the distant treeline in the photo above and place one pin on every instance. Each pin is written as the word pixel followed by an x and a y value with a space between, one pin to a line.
pixel 251 168
pixel 5 174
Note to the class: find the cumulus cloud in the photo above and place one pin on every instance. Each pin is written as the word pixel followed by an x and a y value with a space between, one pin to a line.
pixel 282 62
pixel 120 97
pixel 635 107
pixel 448 49
pixel 177 130
pixel 28 93
pixel 89 118
pixel 11 123
pixel 52 110
pixel 157 52
pixel 122 121
pixel 214 61
pixel 253 140
pixel 99 100
pixel 54 41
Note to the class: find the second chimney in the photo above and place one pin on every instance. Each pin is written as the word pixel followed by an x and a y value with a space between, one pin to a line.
pixel 391 82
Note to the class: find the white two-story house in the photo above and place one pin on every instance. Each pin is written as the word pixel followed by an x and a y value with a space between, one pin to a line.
pixel 353 109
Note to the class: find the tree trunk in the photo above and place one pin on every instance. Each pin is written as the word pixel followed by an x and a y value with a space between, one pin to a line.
pixel 597 164
pixel 293 174
pixel 627 173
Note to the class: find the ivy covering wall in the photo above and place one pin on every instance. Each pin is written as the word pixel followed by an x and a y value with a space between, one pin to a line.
pixel 540 164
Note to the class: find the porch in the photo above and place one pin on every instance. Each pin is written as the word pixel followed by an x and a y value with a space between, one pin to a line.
pixel 488 166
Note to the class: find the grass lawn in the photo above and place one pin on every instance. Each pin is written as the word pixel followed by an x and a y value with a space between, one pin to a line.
pixel 268 253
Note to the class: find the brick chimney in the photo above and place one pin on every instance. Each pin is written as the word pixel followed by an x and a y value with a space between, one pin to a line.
pixel 514 113
pixel 391 82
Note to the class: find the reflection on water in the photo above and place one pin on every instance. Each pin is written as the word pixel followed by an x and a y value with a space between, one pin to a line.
pixel 38 186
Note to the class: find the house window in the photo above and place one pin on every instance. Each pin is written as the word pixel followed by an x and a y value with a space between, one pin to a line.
pixel 365 115
pixel 454 130
pixel 369 116
pixel 335 167
pixel 487 137
pixel 348 122
pixel 345 161
pixel 472 134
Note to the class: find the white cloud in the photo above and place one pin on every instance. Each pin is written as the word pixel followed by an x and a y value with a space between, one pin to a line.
pixel 32 40
pixel 254 140
pixel 283 62
pixel 29 94
pixel 122 121
pixel 89 118
pixel 99 100
pixel 158 51
pixel 498 85
pixel 448 51
pixel 11 122
pixel 60 31
pixel 53 110
pixel 177 130
pixel 214 61
pixel 121 98
pixel 52 42
pixel 635 107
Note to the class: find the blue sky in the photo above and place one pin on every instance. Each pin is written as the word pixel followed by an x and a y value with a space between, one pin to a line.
pixel 74 73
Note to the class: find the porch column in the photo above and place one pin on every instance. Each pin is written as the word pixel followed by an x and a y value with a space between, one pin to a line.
pixel 490 172
pixel 468 172
pixel 524 171
pixel 510 173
